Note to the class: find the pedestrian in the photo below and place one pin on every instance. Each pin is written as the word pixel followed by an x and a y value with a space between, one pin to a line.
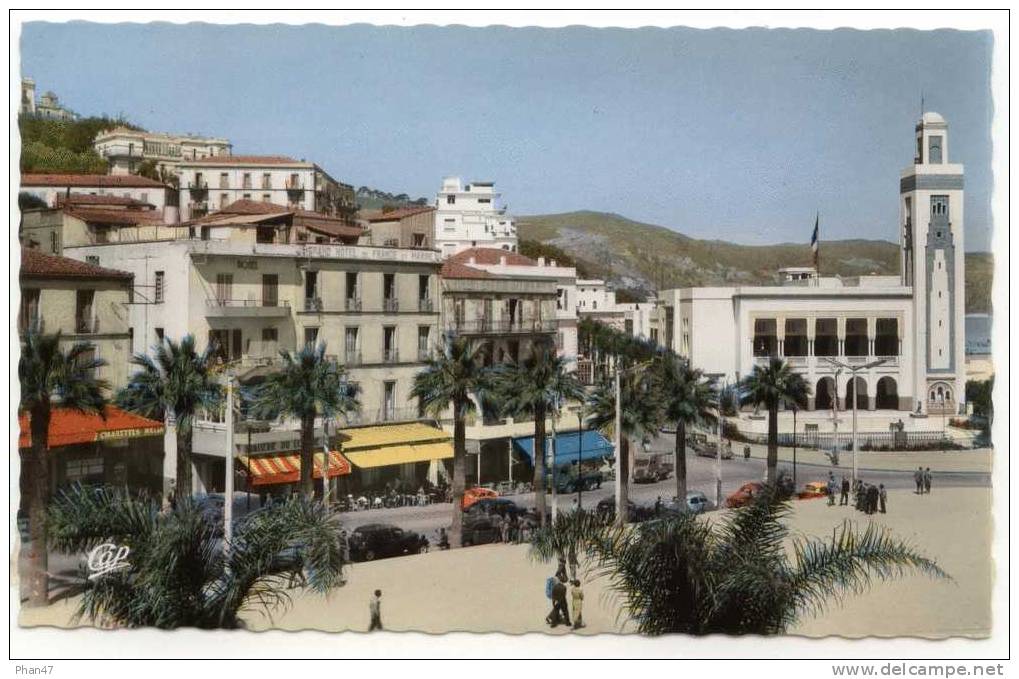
pixel 552 619
pixel 375 608
pixel 577 595
pixel 571 559
pixel 918 480
pixel 559 601
pixel 883 497
pixel 746 452
pixel 844 500
pixel 560 572
pixel 344 551
pixel 504 529
pixel 658 506
pixel 443 539
pixel 872 499
pixel 831 489
pixel 927 480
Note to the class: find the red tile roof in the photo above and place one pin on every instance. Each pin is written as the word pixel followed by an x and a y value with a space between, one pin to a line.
pixel 392 215
pixel 313 221
pixel 117 217
pixel 69 427
pixel 36 264
pixel 253 207
pixel 89 199
pixel 451 269
pixel 97 180
pixel 492 256
pixel 245 160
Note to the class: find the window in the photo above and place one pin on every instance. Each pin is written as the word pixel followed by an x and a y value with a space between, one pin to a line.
pixel 266 198
pixel 484 200
pixel 450 200
pixel 160 287
pixel 939 208
pixel 350 346
pixel 353 293
pixel 247 196
pixel 311 336
pixel 424 336
pixel 84 318
pixel 270 334
pixel 389 351
pixel 224 200
pixel 84 470
pixel 265 234
pixel 266 180
pixel 224 287
pixel 246 180
pixel 53 242
pixel 270 289
pixel 934 146
pixel 419 240
pixel 92 259
pixel 311 290
pixel 160 333
pixel 389 401
pixel 29 320
pixel 389 291
pixel 224 180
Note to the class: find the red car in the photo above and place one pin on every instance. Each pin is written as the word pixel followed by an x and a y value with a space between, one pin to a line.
pixel 743 496
pixel 472 495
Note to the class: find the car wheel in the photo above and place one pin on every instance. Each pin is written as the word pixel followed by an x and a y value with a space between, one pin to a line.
pixel 369 555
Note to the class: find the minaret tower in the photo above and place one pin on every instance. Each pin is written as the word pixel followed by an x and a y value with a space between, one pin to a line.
pixel 932 262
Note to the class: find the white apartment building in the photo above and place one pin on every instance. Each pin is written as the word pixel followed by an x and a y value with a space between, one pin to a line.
pixel 211 183
pixel 914 321
pixel 54 187
pixel 470 216
pixel 125 149
pixel 596 300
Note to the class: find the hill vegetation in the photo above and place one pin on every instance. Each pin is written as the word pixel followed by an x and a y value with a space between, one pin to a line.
pixel 375 199
pixel 63 146
pixel 644 257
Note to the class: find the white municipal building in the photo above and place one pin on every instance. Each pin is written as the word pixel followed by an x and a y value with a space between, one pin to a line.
pixel 913 320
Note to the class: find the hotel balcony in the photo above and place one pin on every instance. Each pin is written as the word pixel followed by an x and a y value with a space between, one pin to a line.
pixel 246 308
pixel 294 186
pixel 390 305
pixel 425 305
pixel 485 326
pixel 198 189
pixel 313 304
pixel 352 304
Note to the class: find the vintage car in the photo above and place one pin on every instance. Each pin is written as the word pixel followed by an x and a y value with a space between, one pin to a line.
pixel 381 540
pixel 472 495
pixel 812 490
pixel 650 468
pixel 746 493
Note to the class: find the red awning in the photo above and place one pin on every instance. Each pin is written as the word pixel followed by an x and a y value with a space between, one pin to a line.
pixel 69 427
pixel 286 467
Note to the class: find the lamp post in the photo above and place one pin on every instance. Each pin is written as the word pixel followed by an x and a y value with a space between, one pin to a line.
pixel 617 435
pixel 718 461
pixel 794 444
pixel 580 459
pixel 852 370
pixel 555 496
pixel 228 504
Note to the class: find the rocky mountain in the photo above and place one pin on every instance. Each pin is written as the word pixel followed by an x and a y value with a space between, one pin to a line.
pixel 645 257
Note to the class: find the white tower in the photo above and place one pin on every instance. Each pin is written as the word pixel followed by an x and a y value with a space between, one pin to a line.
pixel 933 264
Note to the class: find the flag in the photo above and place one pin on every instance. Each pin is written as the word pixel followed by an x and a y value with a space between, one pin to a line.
pixel 814 244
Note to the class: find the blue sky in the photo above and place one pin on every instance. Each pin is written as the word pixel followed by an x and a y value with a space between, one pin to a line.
pixel 739 135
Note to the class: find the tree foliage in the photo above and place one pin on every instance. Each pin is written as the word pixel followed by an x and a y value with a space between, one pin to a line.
pixel 64 146
pixel 681 574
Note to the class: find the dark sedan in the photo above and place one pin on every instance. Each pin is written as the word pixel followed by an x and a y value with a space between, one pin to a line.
pixel 381 540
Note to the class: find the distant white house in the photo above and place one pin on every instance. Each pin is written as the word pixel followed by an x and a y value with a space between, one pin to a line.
pixel 125 149
pixel 469 216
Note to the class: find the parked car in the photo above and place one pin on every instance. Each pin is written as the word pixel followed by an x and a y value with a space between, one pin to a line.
pixel 472 495
pixel 480 529
pixel 651 468
pixel 606 509
pixel 697 502
pixel 568 482
pixel 382 540
pixel 746 493
pixel 814 489
pixel 499 506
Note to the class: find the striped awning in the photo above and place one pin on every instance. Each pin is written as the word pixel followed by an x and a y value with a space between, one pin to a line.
pixel 286 468
pixel 394 444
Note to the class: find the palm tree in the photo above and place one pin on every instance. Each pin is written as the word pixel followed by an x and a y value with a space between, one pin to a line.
pixel 307 385
pixel 50 378
pixel 771 386
pixel 688 398
pixel 451 376
pixel 176 381
pixel 640 415
pixel 179 573
pixel 537 387
pixel 683 575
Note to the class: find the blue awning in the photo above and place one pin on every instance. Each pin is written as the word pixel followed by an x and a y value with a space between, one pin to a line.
pixel 570 446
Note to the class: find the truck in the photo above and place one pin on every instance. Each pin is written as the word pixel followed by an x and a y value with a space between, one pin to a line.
pixel 651 468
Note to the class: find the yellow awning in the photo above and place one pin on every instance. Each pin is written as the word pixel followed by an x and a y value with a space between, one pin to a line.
pixel 391 444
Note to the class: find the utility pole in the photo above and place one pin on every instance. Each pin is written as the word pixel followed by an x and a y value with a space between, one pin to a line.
pixel 718 463
pixel 325 462
pixel 555 496
pixel 620 507
pixel 228 504
pixel 580 459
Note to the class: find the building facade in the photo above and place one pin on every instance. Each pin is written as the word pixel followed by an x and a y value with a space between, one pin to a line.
pixel 210 184
pixel 913 321
pixel 84 303
pixel 48 105
pixel 407 227
pixel 52 188
pixel 469 216
pixel 125 149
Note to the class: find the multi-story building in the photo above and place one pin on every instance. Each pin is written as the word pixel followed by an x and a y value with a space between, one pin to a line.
pixel 83 218
pixel 913 321
pixel 125 149
pixel 209 184
pixel 406 227
pixel 597 301
pixel 48 106
pixel 257 279
pixel 83 302
pixel 469 216
pixel 51 187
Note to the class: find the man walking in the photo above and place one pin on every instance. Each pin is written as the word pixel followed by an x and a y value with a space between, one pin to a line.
pixel 831 489
pixel 375 607
pixel 844 500
pixel 918 480
pixel 927 480
pixel 872 497
pixel 560 609
pixel 577 595
pixel 883 496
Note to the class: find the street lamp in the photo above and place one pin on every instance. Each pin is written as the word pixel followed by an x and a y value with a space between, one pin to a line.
pixel 794 444
pixel 856 395
pixel 718 457
pixel 580 459
pixel 228 505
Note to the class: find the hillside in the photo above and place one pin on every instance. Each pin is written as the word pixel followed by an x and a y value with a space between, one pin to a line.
pixel 64 145
pixel 646 257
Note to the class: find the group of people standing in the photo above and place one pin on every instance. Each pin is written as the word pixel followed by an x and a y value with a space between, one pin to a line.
pixel 922 478
pixel 557 588
pixel 867 497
